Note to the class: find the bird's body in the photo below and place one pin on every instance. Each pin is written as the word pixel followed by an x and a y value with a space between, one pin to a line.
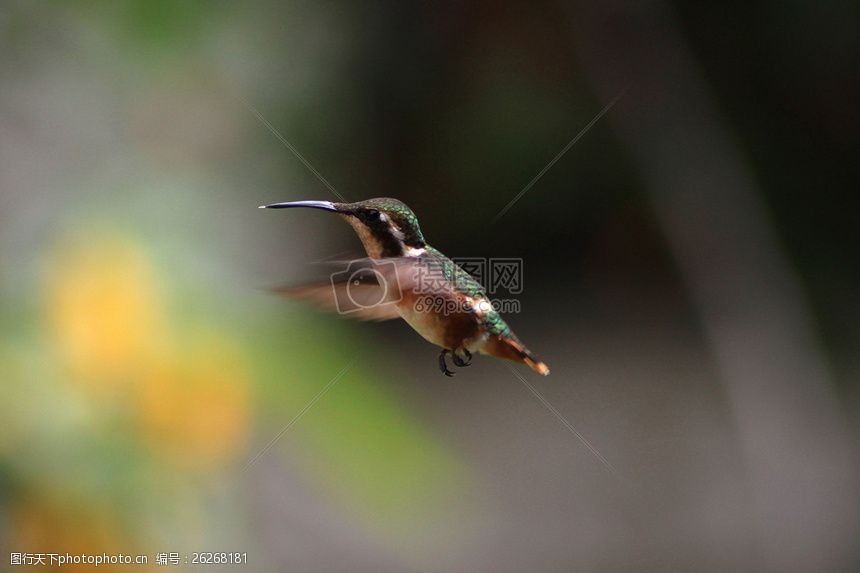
pixel 407 278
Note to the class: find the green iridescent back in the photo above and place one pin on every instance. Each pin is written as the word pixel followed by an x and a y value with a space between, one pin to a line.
pixel 466 284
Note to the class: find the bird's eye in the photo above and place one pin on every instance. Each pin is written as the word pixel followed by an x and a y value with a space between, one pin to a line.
pixel 372 214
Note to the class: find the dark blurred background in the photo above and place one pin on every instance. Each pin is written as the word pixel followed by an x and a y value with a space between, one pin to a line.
pixel 690 273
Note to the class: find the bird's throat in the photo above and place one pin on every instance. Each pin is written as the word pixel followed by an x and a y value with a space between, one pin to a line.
pixel 379 243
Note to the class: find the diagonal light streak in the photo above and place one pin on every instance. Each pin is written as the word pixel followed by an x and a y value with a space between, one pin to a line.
pixel 292 148
pixel 298 416
pixel 558 156
pixel 564 421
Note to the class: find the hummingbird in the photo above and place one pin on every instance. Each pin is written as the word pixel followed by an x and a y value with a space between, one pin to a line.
pixel 451 311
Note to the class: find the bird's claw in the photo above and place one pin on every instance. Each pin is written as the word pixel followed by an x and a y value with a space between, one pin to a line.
pixel 461 362
pixel 458 360
pixel 443 366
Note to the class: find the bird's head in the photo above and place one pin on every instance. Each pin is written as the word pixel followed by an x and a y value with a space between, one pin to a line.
pixel 386 227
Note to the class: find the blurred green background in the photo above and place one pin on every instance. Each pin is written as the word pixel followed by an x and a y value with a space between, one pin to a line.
pixel 690 277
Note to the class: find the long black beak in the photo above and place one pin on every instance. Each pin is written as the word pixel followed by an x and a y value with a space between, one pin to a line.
pixel 324 205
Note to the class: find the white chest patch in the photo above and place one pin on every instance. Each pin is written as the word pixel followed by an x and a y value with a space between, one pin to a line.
pixel 413 252
pixel 481 306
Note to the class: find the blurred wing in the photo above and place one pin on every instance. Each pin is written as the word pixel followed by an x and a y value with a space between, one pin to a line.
pixel 329 298
pixel 367 289
pixel 356 291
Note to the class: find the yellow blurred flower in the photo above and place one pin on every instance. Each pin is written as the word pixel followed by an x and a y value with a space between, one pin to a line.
pixel 187 396
pixel 194 406
pixel 104 308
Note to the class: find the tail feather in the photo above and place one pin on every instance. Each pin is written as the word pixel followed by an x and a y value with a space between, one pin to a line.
pixel 513 349
pixel 535 364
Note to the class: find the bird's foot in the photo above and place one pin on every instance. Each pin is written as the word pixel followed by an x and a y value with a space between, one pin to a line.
pixel 443 366
pixel 463 361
